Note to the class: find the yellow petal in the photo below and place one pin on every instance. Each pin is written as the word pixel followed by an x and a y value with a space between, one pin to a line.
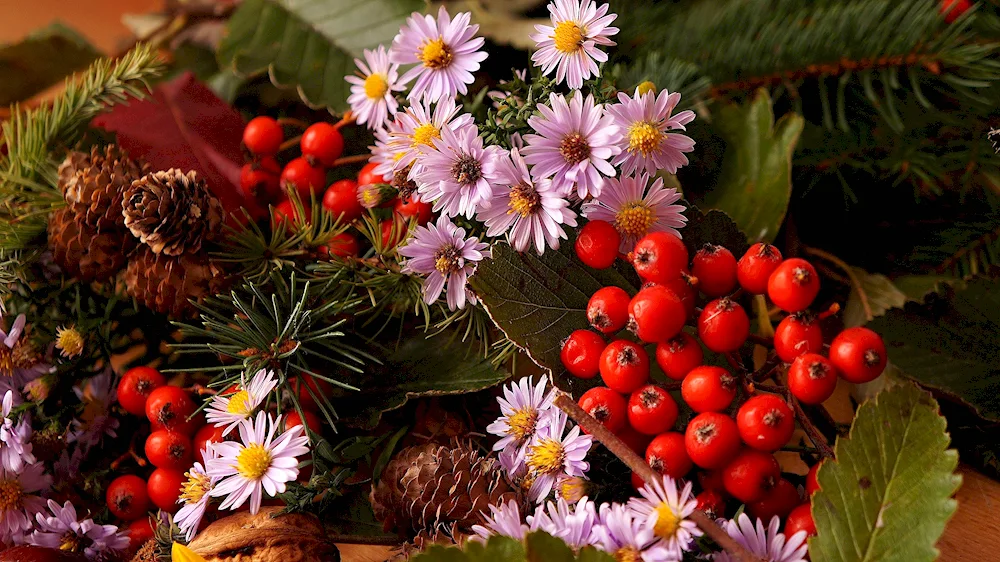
pixel 181 553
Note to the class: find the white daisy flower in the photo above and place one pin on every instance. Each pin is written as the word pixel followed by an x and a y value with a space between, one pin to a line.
pixel 195 494
pixel 766 544
pixel 371 98
pixel 569 45
pixel 664 511
pixel 228 410
pixel 523 408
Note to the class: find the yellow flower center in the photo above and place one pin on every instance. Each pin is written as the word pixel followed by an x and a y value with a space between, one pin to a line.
pixel 628 554
pixel 644 137
pixel 196 487
pixel 524 200
pixel 71 542
pixel 24 355
pixel 435 54
pixel 646 87
pixel 573 488
pixel 446 260
pixel 568 37
pixel 547 456
pixel 522 422
pixel 667 522
pixel 6 361
pixel 376 86
pixel 11 495
pixel 425 133
pixel 69 342
pixel 253 461
pixel 634 218
pixel 239 403
pixel 574 148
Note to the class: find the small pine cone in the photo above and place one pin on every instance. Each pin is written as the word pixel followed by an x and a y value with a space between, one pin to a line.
pixel 166 283
pixel 435 491
pixel 172 212
pixel 84 252
pixel 93 185
pixel 147 552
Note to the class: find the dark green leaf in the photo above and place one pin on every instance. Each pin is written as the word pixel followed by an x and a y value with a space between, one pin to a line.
pixel 42 59
pixel 543 547
pixel 882 295
pixel 713 227
pixel 537 547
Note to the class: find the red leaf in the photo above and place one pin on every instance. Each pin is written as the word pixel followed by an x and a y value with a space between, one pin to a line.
pixel 185 125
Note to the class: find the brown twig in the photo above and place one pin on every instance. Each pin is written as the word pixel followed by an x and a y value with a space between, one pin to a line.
pixel 765 370
pixel 356 159
pixel 761 340
pixel 862 295
pixel 617 447
pixel 130 454
pixel 298 123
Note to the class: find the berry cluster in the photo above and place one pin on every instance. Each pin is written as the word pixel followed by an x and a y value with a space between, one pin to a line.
pixel 736 427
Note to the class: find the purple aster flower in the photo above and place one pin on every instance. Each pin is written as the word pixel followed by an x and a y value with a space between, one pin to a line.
pixel 572 488
pixel 636 211
pixel 18 503
pixel 569 45
pixel 524 407
pixel 531 213
pixel 195 494
pixel 413 133
pixel 15 445
pixel 574 144
pixel 646 143
pixel 766 544
pixel 372 99
pixel 663 511
pixel 624 537
pixel 96 421
pixel 505 521
pixel 574 524
pixel 20 362
pixel 445 50
pixel 65 531
pixel 554 453
pixel 443 253
pixel 457 172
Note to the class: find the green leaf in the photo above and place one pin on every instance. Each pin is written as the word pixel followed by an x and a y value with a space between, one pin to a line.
pixel 310 44
pixel 755 184
pixel 888 495
pixel 712 227
pixel 42 59
pixel 882 295
pixel 536 547
pixel 950 343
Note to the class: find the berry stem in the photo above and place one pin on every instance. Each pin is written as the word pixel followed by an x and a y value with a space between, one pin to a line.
pixel 618 448
pixel 766 369
pixel 347 119
pixel 855 282
pixel 294 141
pixel 670 385
pixel 761 340
pixel 356 159
pixel 293 122
pixel 201 390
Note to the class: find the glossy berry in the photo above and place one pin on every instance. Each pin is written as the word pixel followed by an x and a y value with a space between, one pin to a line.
pixel 953 9
pixel 797 334
pixel 607 310
pixel 750 475
pixel 858 354
pixel 597 244
pixel 666 454
pixel 322 144
pixel 800 519
pixel 708 389
pixel 207 434
pixel 136 385
pixel 164 487
pixel 368 176
pixel 169 407
pixel 685 292
pixel 607 406
pixel 581 354
pixel 140 530
pixel 715 268
pixel 309 389
pixel 624 366
pixel 656 314
pixel 678 355
pixel 634 440
pixel 651 410
pixel 313 422
pixel 711 480
pixel 127 498
pixel 780 501
pixel 766 422
pixel 712 502
pixel 263 136
pixel 794 285
pixel 261 179
pixel 723 326
pixel 812 483
pixel 812 378
pixel 341 199
pixel 304 177
pixel 342 245
pixel 659 257
pixel 286 211
pixel 712 440
pixel 756 266
pixel 169 449
pixel 411 208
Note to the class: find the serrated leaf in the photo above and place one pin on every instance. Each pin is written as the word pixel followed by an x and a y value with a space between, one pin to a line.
pixel 882 295
pixel 888 494
pixel 44 58
pixel 950 343
pixel 755 183
pixel 712 227
pixel 310 44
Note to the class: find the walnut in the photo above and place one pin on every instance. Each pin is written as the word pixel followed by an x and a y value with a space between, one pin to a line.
pixel 243 537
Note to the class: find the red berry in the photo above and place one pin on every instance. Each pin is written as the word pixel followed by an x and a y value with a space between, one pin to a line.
pixel 659 257
pixel 140 530
pixel 413 208
pixel 794 285
pixel 678 355
pixel 723 326
pixel 708 389
pixel 597 244
pixel 766 422
pixel 127 498
pixel 341 199
pixel 780 501
pixel 800 519
pixel 715 268
pixel 712 440
pixel 635 440
pixel 637 481
pixel 207 434
pixel 308 386
pixel 797 334
pixel 393 232
pixel 712 503
pixel 812 378
pixel 135 386
pixel 624 366
pixel 342 245
pixel 304 177
pixel 685 292
pixel 263 136
pixel 169 407
pixel 322 144
pixel 812 483
pixel 581 354
pixel 164 487
pixel 313 422
pixel 368 176
pixel 756 266
pixel 666 454
pixel 711 480
pixel 651 410
pixel 606 405
pixel 751 475
pixel 285 210
pixel 656 314
pixel 167 449
pixel 607 310
pixel 953 9
pixel 261 179
pixel 858 354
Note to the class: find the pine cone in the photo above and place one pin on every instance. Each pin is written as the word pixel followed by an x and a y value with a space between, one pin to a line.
pixel 437 492
pixel 84 252
pixel 172 212
pixel 147 552
pixel 93 185
pixel 164 283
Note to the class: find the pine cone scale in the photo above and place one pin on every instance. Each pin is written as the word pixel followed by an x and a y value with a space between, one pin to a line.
pixel 172 212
